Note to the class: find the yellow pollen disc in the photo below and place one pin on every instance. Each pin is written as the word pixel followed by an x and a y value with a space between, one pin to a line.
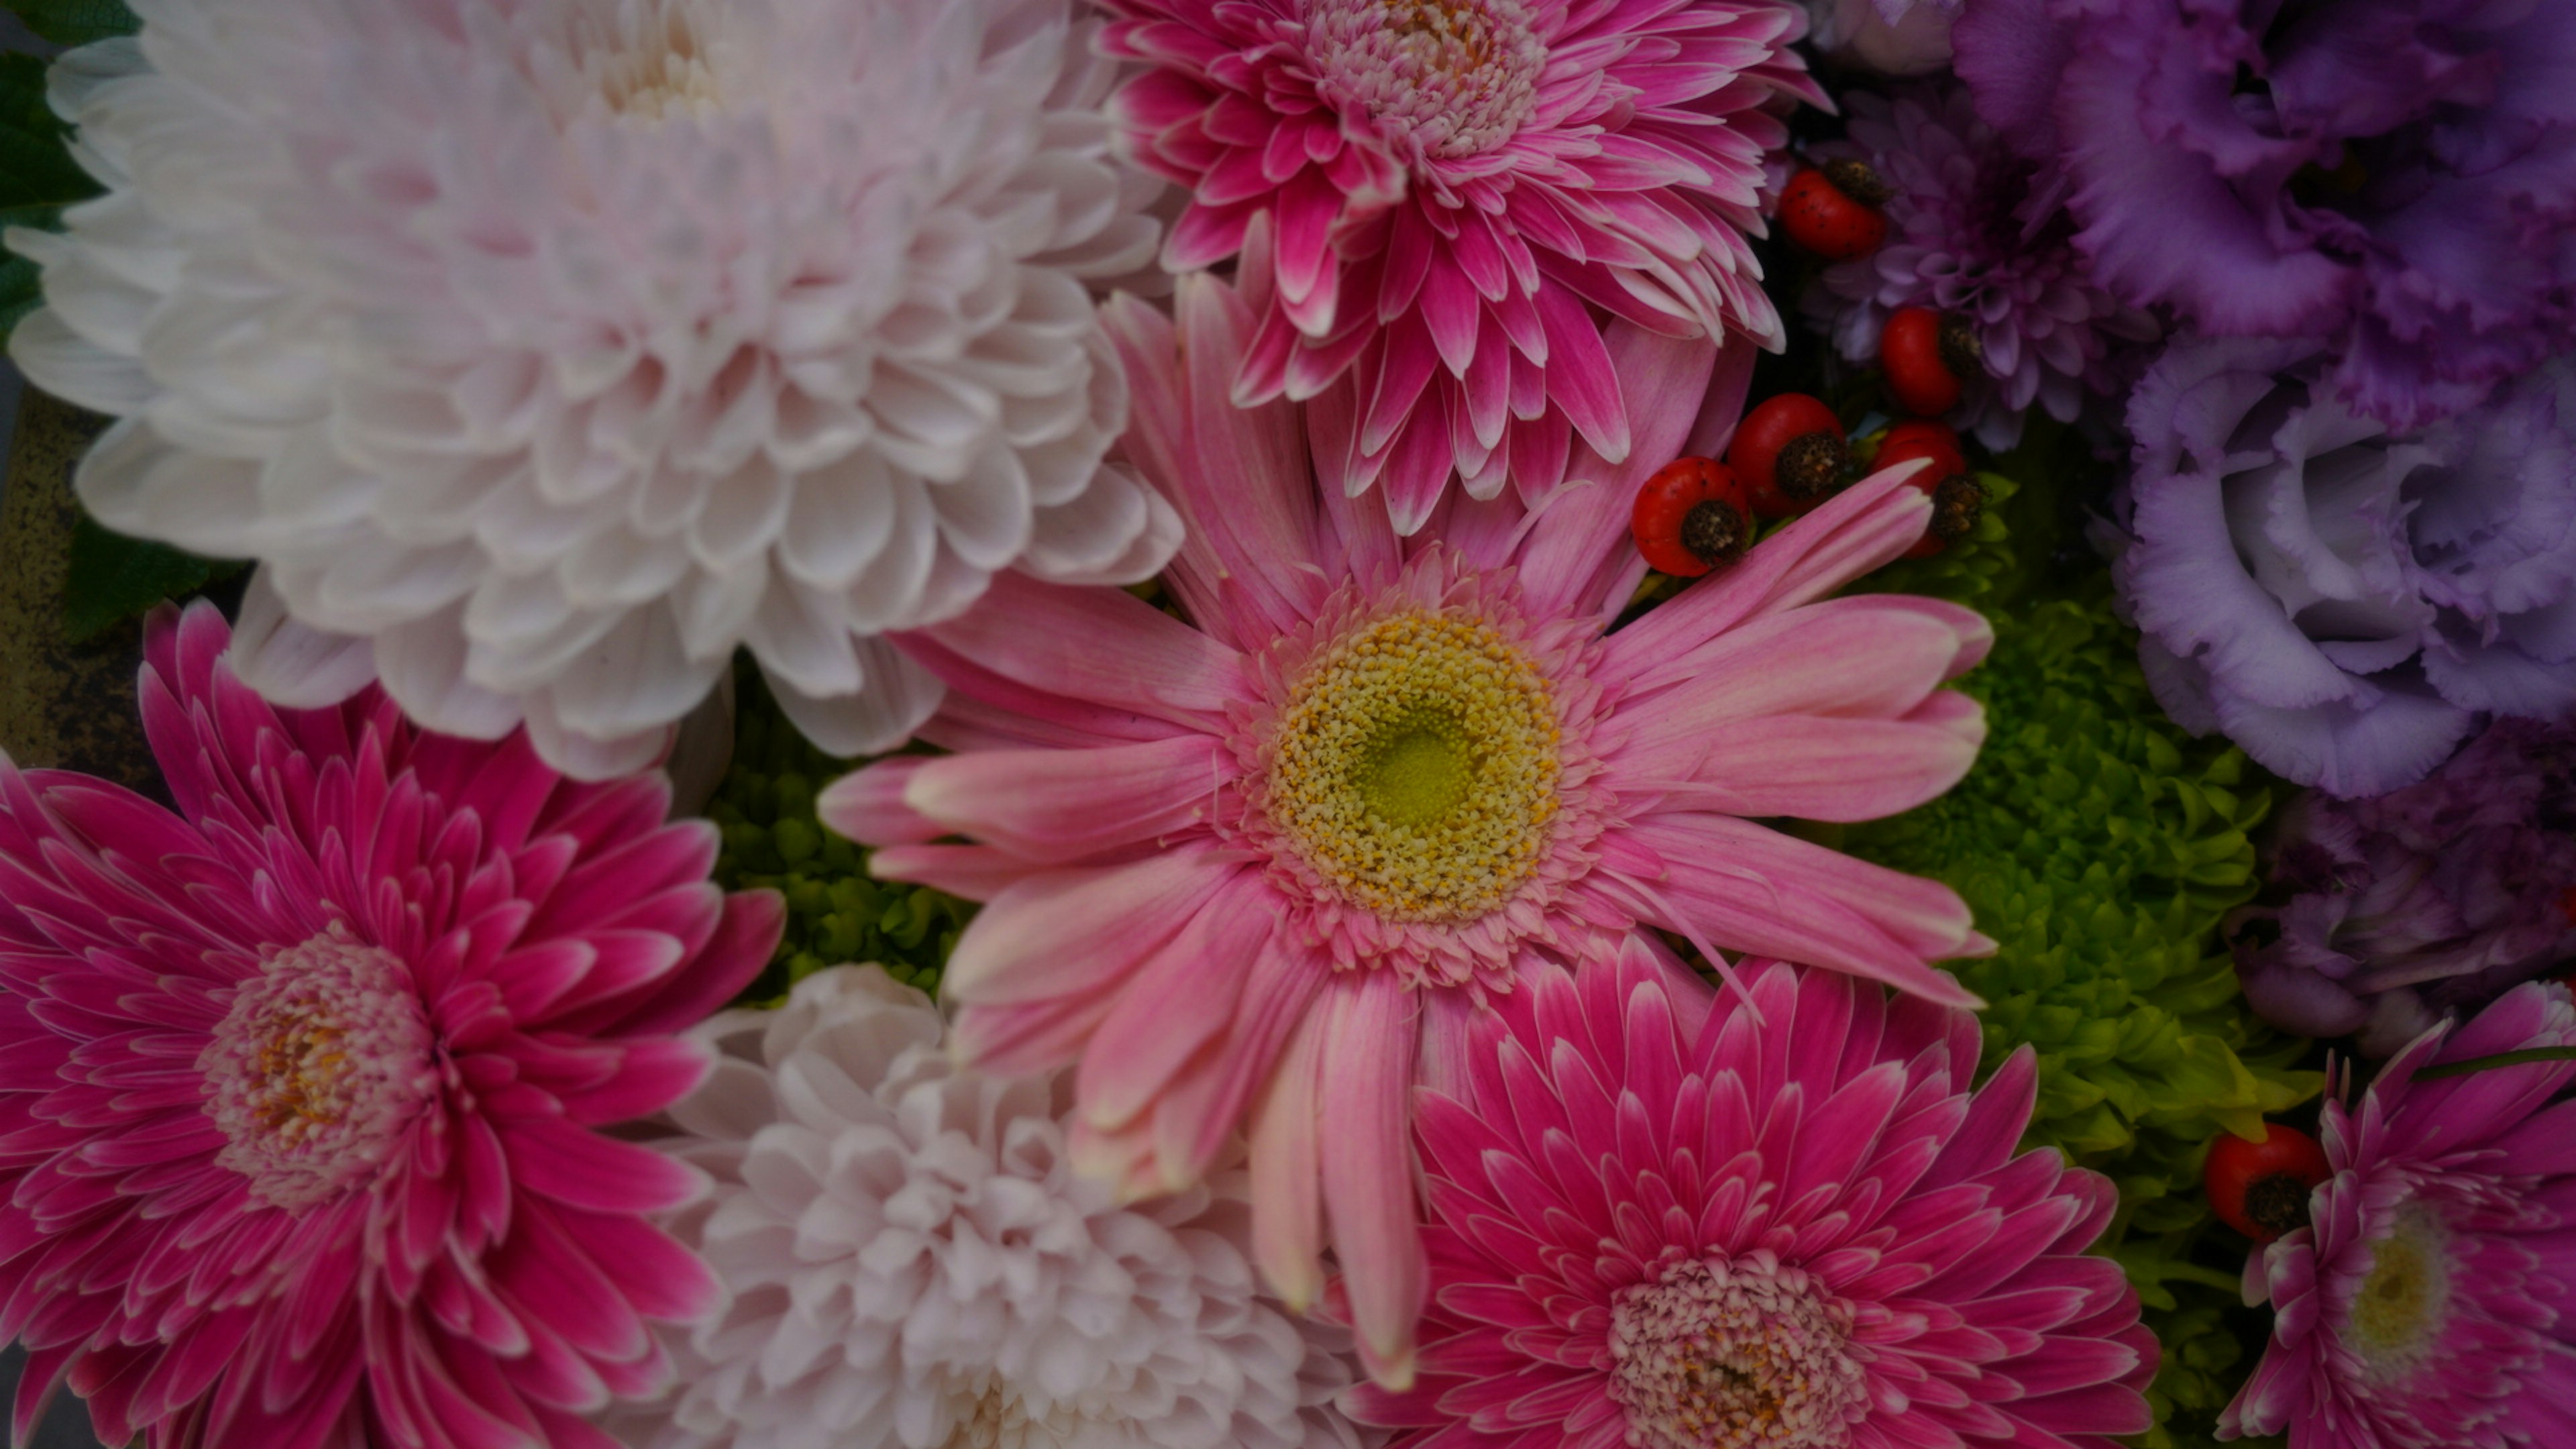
pixel 2406 1287
pixel 1415 767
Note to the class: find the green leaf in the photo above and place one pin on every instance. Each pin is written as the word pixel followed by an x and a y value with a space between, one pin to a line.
pixel 114 578
pixel 75 22
pixel 38 178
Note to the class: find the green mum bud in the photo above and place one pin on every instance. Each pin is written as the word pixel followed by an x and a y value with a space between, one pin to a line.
pixel 836 911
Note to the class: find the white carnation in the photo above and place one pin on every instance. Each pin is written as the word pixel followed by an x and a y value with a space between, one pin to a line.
pixel 544 351
pixel 912 1262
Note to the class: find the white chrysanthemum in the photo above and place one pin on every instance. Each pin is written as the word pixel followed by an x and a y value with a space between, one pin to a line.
pixel 544 352
pixel 913 1263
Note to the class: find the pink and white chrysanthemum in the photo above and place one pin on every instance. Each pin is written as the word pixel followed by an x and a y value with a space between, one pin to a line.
pixel 545 354
pixel 1256 864
pixel 2427 1303
pixel 1455 192
pixel 910 1261
pixel 301 1083
pixel 1784 1223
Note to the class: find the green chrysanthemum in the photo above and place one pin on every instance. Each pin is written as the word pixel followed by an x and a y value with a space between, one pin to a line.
pixel 836 912
pixel 2099 845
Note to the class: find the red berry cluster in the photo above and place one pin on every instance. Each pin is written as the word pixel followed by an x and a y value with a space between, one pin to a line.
pixel 1928 356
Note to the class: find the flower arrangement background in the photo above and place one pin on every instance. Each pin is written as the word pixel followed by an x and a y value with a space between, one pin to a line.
pixel 1057 722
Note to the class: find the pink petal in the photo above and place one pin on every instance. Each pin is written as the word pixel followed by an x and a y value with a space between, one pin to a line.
pixel 1287 1169
pixel 1859 529
pixel 1100 645
pixel 1577 558
pixel 1062 805
pixel 1366 1113
pixel 1068 930
pixel 1181 1003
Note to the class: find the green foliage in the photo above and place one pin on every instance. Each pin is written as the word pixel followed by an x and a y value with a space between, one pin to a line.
pixel 836 912
pixel 113 578
pixel 2100 845
pixel 38 177
pixel 75 22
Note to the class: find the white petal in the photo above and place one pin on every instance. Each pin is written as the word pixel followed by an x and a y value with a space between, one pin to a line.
pixel 291 665
pixel 893 700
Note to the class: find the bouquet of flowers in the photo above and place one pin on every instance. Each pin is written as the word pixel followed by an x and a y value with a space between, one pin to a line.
pixel 1302 724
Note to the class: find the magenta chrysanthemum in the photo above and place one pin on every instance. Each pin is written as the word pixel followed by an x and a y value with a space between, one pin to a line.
pixel 1256 863
pixel 300 1082
pixel 1781 1223
pixel 1983 234
pixel 2427 1303
pixel 1454 191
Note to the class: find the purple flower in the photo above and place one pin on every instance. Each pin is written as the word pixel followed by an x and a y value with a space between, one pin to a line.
pixel 1982 233
pixel 2427 1303
pixel 2342 603
pixel 2421 902
pixel 2398 176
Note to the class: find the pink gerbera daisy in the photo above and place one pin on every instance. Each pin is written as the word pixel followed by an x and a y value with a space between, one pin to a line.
pixel 1250 861
pixel 298 1086
pixel 2428 1302
pixel 1453 190
pixel 1665 1226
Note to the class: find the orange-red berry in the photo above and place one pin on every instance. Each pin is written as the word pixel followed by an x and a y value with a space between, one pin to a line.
pixel 1828 220
pixel 2261 1188
pixel 1791 454
pixel 1692 517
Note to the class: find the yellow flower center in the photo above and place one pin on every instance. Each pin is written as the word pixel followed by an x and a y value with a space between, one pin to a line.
pixel 1415 767
pixel 649 61
pixel 2405 1299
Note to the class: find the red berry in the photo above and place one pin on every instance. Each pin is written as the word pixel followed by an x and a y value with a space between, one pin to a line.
pixel 1691 517
pixel 1829 221
pixel 1921 371
pixel 1791 454
pixel 1957 497
pixel 1911 430
pixel 2261 1188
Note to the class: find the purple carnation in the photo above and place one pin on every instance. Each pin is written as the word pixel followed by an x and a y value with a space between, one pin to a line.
pixel 1980 232
pixel 2341 603
pixel 2422 902
pixel 2398 176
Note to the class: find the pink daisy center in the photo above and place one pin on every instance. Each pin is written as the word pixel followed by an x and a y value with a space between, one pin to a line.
pixel 1453 77
pixel 2399 1310
pixel 1415 766
pixel 320 1064
pixel 1724 1353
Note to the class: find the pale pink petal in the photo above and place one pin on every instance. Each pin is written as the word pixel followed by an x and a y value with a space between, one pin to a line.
pixel 1365 1107
pixel 1179 1005
pixel 1859 529
pixel 1101 645
pixel 1288 1169
pixel 1065 929
pixel 976 872
pixel 1823 919
pixel 1062 805
pixel 1577 558
pixel 868 805
pixel 1815 767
